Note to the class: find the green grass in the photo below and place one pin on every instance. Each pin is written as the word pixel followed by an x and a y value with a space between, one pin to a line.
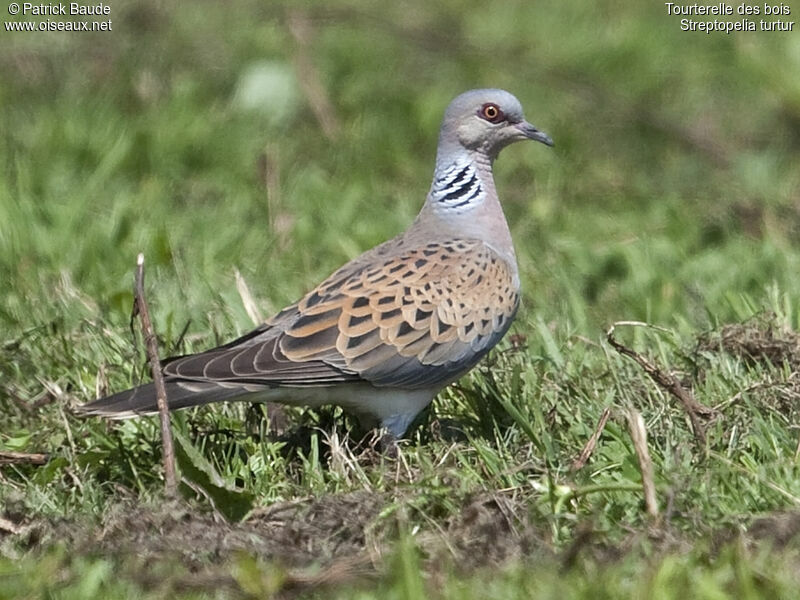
pixel 671 197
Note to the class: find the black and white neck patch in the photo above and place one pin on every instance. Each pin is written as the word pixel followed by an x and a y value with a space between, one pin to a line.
pixel 457 187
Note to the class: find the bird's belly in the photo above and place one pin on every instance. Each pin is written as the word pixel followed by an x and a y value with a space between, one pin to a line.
pixel 365 400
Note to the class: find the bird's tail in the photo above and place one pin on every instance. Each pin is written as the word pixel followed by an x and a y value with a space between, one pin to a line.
pixel 141 400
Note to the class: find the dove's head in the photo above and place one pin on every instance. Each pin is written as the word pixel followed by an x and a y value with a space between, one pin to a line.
pixel 487 121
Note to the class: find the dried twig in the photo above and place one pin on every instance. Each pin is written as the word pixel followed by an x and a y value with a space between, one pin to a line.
pixel 301 30
pixel 10 526
pixel 667 381
pixel 639 436
pixel 23 458
pixel 580 462
pixel 151 344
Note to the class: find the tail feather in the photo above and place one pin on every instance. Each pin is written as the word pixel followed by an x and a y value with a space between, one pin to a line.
pixel 141 400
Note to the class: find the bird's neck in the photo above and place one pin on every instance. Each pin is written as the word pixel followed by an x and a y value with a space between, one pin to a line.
pixel 463 202
pixel 461 183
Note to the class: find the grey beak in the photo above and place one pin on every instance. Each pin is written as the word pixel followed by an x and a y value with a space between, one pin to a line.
pixel 530 132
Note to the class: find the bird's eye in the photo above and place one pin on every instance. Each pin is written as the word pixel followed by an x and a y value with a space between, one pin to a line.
pixel 491 112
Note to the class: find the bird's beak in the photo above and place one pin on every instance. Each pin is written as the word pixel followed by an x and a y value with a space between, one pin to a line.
pixel 530 132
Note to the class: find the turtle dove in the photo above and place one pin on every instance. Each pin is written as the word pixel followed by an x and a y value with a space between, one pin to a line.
pixel 388 330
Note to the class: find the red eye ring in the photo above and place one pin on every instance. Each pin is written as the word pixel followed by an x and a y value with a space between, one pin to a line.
pixel 491 112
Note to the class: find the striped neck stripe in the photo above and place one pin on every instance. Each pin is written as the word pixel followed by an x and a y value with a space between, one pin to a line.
pixel 458 187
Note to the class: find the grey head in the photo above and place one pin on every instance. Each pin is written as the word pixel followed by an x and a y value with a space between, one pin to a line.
pixel 485 122
pixel 477 125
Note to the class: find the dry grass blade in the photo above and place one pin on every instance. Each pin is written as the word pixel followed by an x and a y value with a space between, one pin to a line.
pixel 797 450
pixel 340 571
pixel 151 344
pixel 583 457
pixel 667 381
pixel 301 30
pixel 23 458
pixel 638 433
pixel 248 302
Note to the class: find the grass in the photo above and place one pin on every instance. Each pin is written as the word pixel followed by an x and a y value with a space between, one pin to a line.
pixel 671 197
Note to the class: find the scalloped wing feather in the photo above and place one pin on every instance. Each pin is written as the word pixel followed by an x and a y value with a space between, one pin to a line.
pixel 399 317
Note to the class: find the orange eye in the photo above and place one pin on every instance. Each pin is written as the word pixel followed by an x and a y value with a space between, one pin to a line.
pixel 492 113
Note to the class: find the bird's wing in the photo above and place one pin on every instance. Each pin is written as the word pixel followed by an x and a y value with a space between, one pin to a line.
pixel 416 318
